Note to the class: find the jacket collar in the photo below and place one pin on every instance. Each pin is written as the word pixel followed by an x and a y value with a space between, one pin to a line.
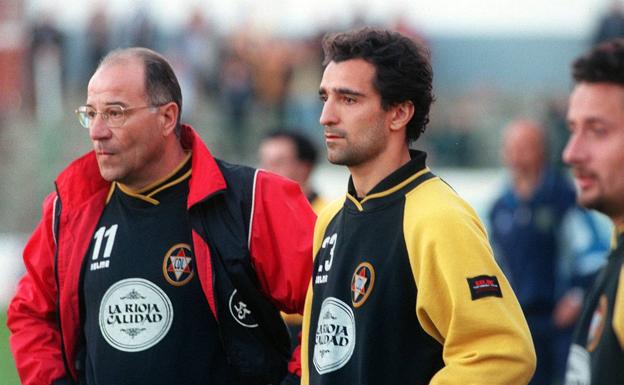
pixel 405 177
pixel 81 180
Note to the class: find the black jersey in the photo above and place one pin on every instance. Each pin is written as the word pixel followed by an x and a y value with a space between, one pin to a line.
pixel 405 291
pixel 146 319
pixel 596 356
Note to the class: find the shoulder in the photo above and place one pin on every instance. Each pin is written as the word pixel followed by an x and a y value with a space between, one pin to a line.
pixel 435 209
pixel 235 172
pixel 435 198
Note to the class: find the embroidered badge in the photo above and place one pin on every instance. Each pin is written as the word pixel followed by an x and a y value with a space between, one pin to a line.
pixel 484 286
pixel 597 324
pixel 362 283
pixel 178 265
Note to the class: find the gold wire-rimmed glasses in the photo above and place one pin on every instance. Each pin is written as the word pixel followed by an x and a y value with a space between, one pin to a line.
pixel 113 115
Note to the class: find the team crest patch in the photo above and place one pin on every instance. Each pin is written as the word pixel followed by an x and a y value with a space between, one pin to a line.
pixel 484 286
pixel 362 283
pixel 596 327
pixel 178 265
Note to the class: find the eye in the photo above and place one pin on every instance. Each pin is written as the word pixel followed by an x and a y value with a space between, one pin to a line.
pixel 90 113
pixel 114 112
pixel 349 99
pixel 323 97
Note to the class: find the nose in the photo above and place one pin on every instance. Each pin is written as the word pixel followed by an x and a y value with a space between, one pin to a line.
pixel 329 116
pixel 99 130
pixel 574 151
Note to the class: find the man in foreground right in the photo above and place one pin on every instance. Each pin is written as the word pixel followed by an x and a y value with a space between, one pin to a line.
pixel 404 289
pixel 595 152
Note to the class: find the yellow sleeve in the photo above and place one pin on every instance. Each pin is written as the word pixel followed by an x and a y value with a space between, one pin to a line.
pixel 324 217
pixel 618 310
pixel 485 340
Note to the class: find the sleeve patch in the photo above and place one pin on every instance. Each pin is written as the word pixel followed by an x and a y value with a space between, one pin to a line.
pixel 484 286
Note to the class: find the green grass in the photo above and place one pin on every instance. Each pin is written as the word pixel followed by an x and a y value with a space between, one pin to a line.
pixel 8 374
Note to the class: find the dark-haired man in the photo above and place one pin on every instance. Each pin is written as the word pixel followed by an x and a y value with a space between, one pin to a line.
pixel 293 155
pixel 405 289
pixel 155 263
pixel 594 153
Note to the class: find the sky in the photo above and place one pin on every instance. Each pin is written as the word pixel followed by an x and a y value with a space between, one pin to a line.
pixel 573 18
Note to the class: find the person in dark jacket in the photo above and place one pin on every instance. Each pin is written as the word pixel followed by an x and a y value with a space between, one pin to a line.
pixel 155 263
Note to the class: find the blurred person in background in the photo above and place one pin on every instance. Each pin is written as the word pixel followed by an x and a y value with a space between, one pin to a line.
pixel 405 289
pixel 594 153
pixel 548 247
pixel 611 25
pixel 293 155
pixel 155 263
pixel 47 66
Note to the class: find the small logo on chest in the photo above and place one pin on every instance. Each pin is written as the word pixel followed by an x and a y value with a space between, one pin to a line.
pixel 241 312
pixel 178 265
pixel 362 283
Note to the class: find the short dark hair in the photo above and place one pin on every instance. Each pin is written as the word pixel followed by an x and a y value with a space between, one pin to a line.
pixel 603 63
pixel 305 149
pixel 161 83
pixel 402 69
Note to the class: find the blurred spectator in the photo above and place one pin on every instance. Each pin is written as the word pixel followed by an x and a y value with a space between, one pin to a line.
pixel 235 83
pixel 46 58
pixel 293 155
pixel 612 24
pixel 97 37
pixel 548 247
pixel 140 30
pixel 200 49
pixel 272 64
pixel 303 106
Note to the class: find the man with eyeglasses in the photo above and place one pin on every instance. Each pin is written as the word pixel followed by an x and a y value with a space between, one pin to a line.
pixel 155 263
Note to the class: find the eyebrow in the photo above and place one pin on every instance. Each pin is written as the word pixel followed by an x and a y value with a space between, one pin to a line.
pixel 113 103
pixel 591 120
pixel 342 91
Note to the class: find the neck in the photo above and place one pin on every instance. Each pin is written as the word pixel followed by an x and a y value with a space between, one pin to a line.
pixel 525 184
pixel 367 175
pixel 171 160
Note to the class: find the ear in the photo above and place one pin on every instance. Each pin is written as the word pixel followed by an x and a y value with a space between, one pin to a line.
pixel 169 117
pixel 401 114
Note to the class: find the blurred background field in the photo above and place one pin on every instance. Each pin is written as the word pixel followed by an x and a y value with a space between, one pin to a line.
pixel 247 67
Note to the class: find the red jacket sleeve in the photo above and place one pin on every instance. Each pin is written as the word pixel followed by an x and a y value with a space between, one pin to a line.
pixel 35 337
pixel 280 241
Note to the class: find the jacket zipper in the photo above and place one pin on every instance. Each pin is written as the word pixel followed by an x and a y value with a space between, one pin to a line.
pixel 55 229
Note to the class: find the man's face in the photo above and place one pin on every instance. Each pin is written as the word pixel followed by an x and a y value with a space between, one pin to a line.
pixel 279 155
pixel 595 149
pixel 523 149
pixel 356 126
pixel 128 154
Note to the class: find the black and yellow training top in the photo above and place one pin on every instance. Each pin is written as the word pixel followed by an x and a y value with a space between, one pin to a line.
pixel 597 351
pixel 405 290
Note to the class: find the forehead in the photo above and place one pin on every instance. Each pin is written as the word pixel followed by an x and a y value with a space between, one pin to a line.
pixel 596 101
pixel 278 146
pixel 117 81
pixel 353 74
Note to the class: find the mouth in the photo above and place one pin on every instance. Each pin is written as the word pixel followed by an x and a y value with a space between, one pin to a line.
pixel 333 136
pixel 584 179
